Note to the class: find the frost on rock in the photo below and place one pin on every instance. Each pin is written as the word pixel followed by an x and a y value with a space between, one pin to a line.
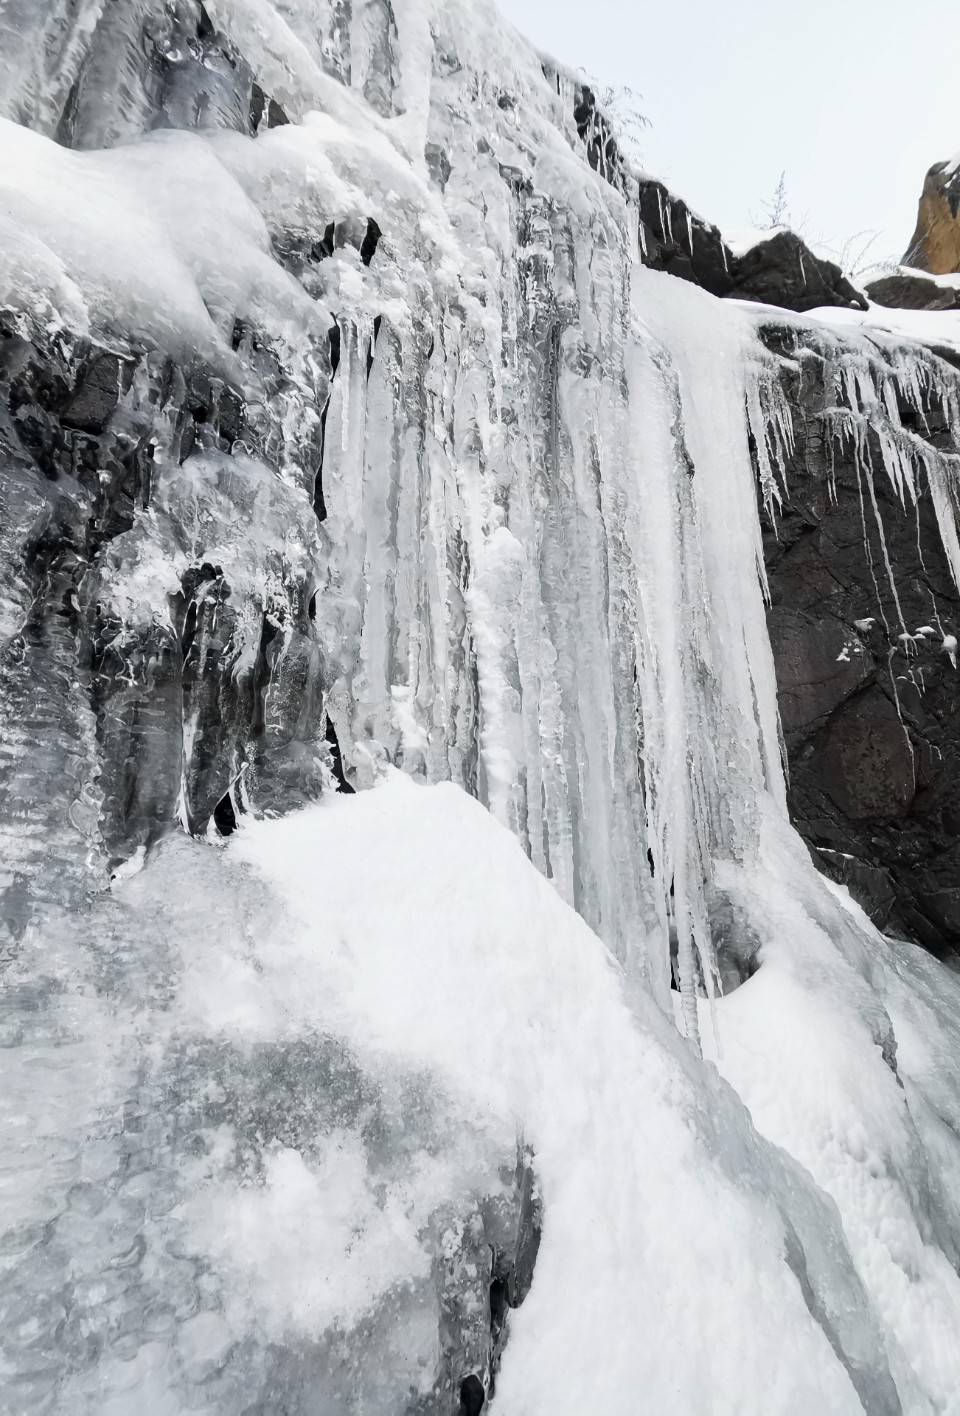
pixel 345 431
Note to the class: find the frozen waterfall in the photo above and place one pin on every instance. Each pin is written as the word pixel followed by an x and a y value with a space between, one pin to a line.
pixel 349 440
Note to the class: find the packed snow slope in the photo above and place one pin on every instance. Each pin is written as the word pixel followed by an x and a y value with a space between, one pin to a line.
pixel 259 1098
pixel 349 441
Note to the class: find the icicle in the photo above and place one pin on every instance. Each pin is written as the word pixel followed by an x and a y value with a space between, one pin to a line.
pixel 703 647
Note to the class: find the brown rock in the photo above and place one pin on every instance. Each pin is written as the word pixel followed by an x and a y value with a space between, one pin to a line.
pixel 935 244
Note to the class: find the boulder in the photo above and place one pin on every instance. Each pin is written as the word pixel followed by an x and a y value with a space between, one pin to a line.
pixel 784 271
pixel 911 290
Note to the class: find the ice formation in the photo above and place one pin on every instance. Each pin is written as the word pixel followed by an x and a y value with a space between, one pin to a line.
pixel 386 452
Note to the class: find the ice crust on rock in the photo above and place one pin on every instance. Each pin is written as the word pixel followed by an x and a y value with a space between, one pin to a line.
pixel 435 460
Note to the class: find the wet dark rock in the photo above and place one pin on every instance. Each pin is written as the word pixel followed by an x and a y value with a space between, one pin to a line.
pixel 870 707
pixel 820 663
pixel 865 764
pixel 336 758
pixel 276 118
pixel 89 439
pixel 472 1396
pixel 97 393
pixel 483 1270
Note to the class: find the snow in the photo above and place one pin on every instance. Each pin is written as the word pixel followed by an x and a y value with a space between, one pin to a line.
pixel 935 328
pixel 136 232
pixel 404 932
pixel 946 282
pixel 623 1152
pixel 740 242
pixel 863 1140
pixel 668 1225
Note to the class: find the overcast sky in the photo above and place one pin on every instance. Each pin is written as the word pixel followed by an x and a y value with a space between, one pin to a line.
pixel 854 99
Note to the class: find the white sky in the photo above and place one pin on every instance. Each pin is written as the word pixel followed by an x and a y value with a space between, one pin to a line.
pixel 854 99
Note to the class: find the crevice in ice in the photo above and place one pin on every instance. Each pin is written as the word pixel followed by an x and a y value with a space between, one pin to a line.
pixel 334 338
pixel 324 248
pixel 371 348
pixel 224 815
pixel 336 758
pixel 334 347
pixel 318 502
pixel 206 29
pixel 194 589
pixel 262 675
pixel 472 1398
pixel 371 239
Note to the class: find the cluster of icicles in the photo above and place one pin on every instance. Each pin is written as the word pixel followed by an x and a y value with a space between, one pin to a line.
pixel 876 410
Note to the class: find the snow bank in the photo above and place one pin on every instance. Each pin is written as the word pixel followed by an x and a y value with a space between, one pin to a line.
pixel 934 328
pixel 270 1098
pixel 136 232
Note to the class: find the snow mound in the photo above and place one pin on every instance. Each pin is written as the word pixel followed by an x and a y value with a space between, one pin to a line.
pixel 258 1077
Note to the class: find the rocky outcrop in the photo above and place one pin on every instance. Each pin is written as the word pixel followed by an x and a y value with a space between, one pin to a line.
pixel 863 622
pixel 198 693
pixel 782 270
pixel 935 243
pixel 909 290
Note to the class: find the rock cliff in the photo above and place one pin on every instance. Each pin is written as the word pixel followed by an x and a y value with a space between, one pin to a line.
pixel 935 243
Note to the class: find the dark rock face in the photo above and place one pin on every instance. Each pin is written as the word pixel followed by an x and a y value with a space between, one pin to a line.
pixel 784 271
pixel 173 712
pixel 817 666
pixel 866 664
pixel 909 291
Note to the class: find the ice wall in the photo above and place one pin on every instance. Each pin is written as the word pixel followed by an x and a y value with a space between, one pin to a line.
pixel 345 428
pixel 434 358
